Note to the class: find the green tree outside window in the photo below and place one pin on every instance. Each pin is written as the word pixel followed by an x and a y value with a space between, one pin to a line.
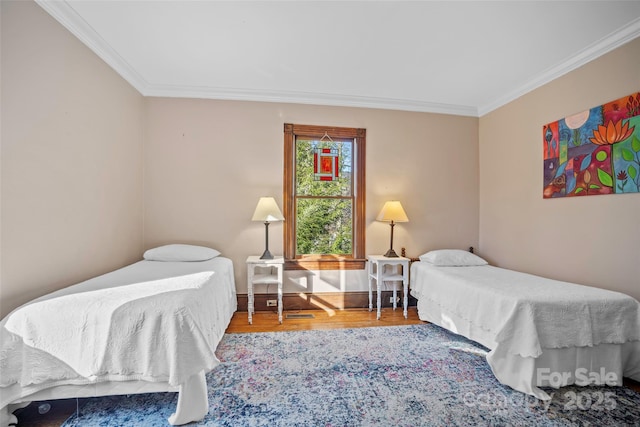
pixel 324 209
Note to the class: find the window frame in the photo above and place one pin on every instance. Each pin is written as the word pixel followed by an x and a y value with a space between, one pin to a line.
pixel 325 261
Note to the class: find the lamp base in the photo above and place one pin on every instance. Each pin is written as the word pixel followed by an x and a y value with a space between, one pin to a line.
pixel 391 254
pixel 267 255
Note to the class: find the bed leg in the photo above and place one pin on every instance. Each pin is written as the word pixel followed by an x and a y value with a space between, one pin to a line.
pixel 193 402
pixel 7 418
pixel 6 414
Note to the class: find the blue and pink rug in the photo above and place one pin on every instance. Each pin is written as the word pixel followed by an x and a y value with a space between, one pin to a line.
pixel 418 375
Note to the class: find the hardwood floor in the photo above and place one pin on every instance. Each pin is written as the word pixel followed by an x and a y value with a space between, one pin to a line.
pixel 267 321
pixel 263 321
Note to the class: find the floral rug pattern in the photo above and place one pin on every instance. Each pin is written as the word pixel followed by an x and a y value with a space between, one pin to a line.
pixel 418 375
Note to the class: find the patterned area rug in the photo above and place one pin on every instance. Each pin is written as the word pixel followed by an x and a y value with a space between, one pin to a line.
pixel 419 375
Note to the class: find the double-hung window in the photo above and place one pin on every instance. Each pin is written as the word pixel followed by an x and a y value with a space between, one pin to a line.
pixel 324 197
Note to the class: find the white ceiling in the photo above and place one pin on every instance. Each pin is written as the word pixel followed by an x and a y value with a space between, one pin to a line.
pixel 454 57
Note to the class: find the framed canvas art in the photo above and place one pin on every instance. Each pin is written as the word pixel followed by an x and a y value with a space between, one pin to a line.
pixel 596 151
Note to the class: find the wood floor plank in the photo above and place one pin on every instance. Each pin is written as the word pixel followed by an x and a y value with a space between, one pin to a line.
pixel 267 321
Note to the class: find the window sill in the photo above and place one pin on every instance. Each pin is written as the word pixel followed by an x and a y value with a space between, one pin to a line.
pixel 325 263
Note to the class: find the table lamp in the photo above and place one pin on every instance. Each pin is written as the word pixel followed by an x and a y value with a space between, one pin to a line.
pixel 268 211
pixel 392 212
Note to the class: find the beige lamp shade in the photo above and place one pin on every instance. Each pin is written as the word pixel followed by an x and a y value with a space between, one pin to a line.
pixel 267 210
pixel 392 211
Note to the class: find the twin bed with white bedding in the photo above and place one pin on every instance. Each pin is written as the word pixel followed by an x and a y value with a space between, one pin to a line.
pixel 540 332
pixel 152 326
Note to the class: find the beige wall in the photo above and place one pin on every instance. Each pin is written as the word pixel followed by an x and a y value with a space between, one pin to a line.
pixel 591 240
pixel 71 201
pixel 207 163
pixel 74 160
pixel 73 168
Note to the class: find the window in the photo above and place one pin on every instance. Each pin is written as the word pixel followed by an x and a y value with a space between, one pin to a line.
pixel 324 197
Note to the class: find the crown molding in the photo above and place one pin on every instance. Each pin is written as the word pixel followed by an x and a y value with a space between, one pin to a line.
pixel 72 21
pixel 606 44
pixel 66 15
pixel 329 99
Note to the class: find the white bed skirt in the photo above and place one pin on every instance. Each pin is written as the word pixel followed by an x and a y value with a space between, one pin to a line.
pixel 193 401
pixel 604 364
pixel 555 367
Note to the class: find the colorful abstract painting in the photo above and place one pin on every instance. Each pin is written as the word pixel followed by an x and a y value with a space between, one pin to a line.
pixel 594 152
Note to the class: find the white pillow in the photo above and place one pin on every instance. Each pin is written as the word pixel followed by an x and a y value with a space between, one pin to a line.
pixel 177 252
pixel 452 258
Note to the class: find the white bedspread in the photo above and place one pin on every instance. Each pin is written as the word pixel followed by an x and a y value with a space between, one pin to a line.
pixel 526 313
pixel 151 321
pixel 534 326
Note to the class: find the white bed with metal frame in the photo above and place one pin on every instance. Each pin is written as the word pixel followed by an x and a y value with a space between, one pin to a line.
pixel 152 326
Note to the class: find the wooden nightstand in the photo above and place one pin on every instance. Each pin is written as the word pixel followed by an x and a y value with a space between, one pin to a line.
pixel 276 263
pixel 376 272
